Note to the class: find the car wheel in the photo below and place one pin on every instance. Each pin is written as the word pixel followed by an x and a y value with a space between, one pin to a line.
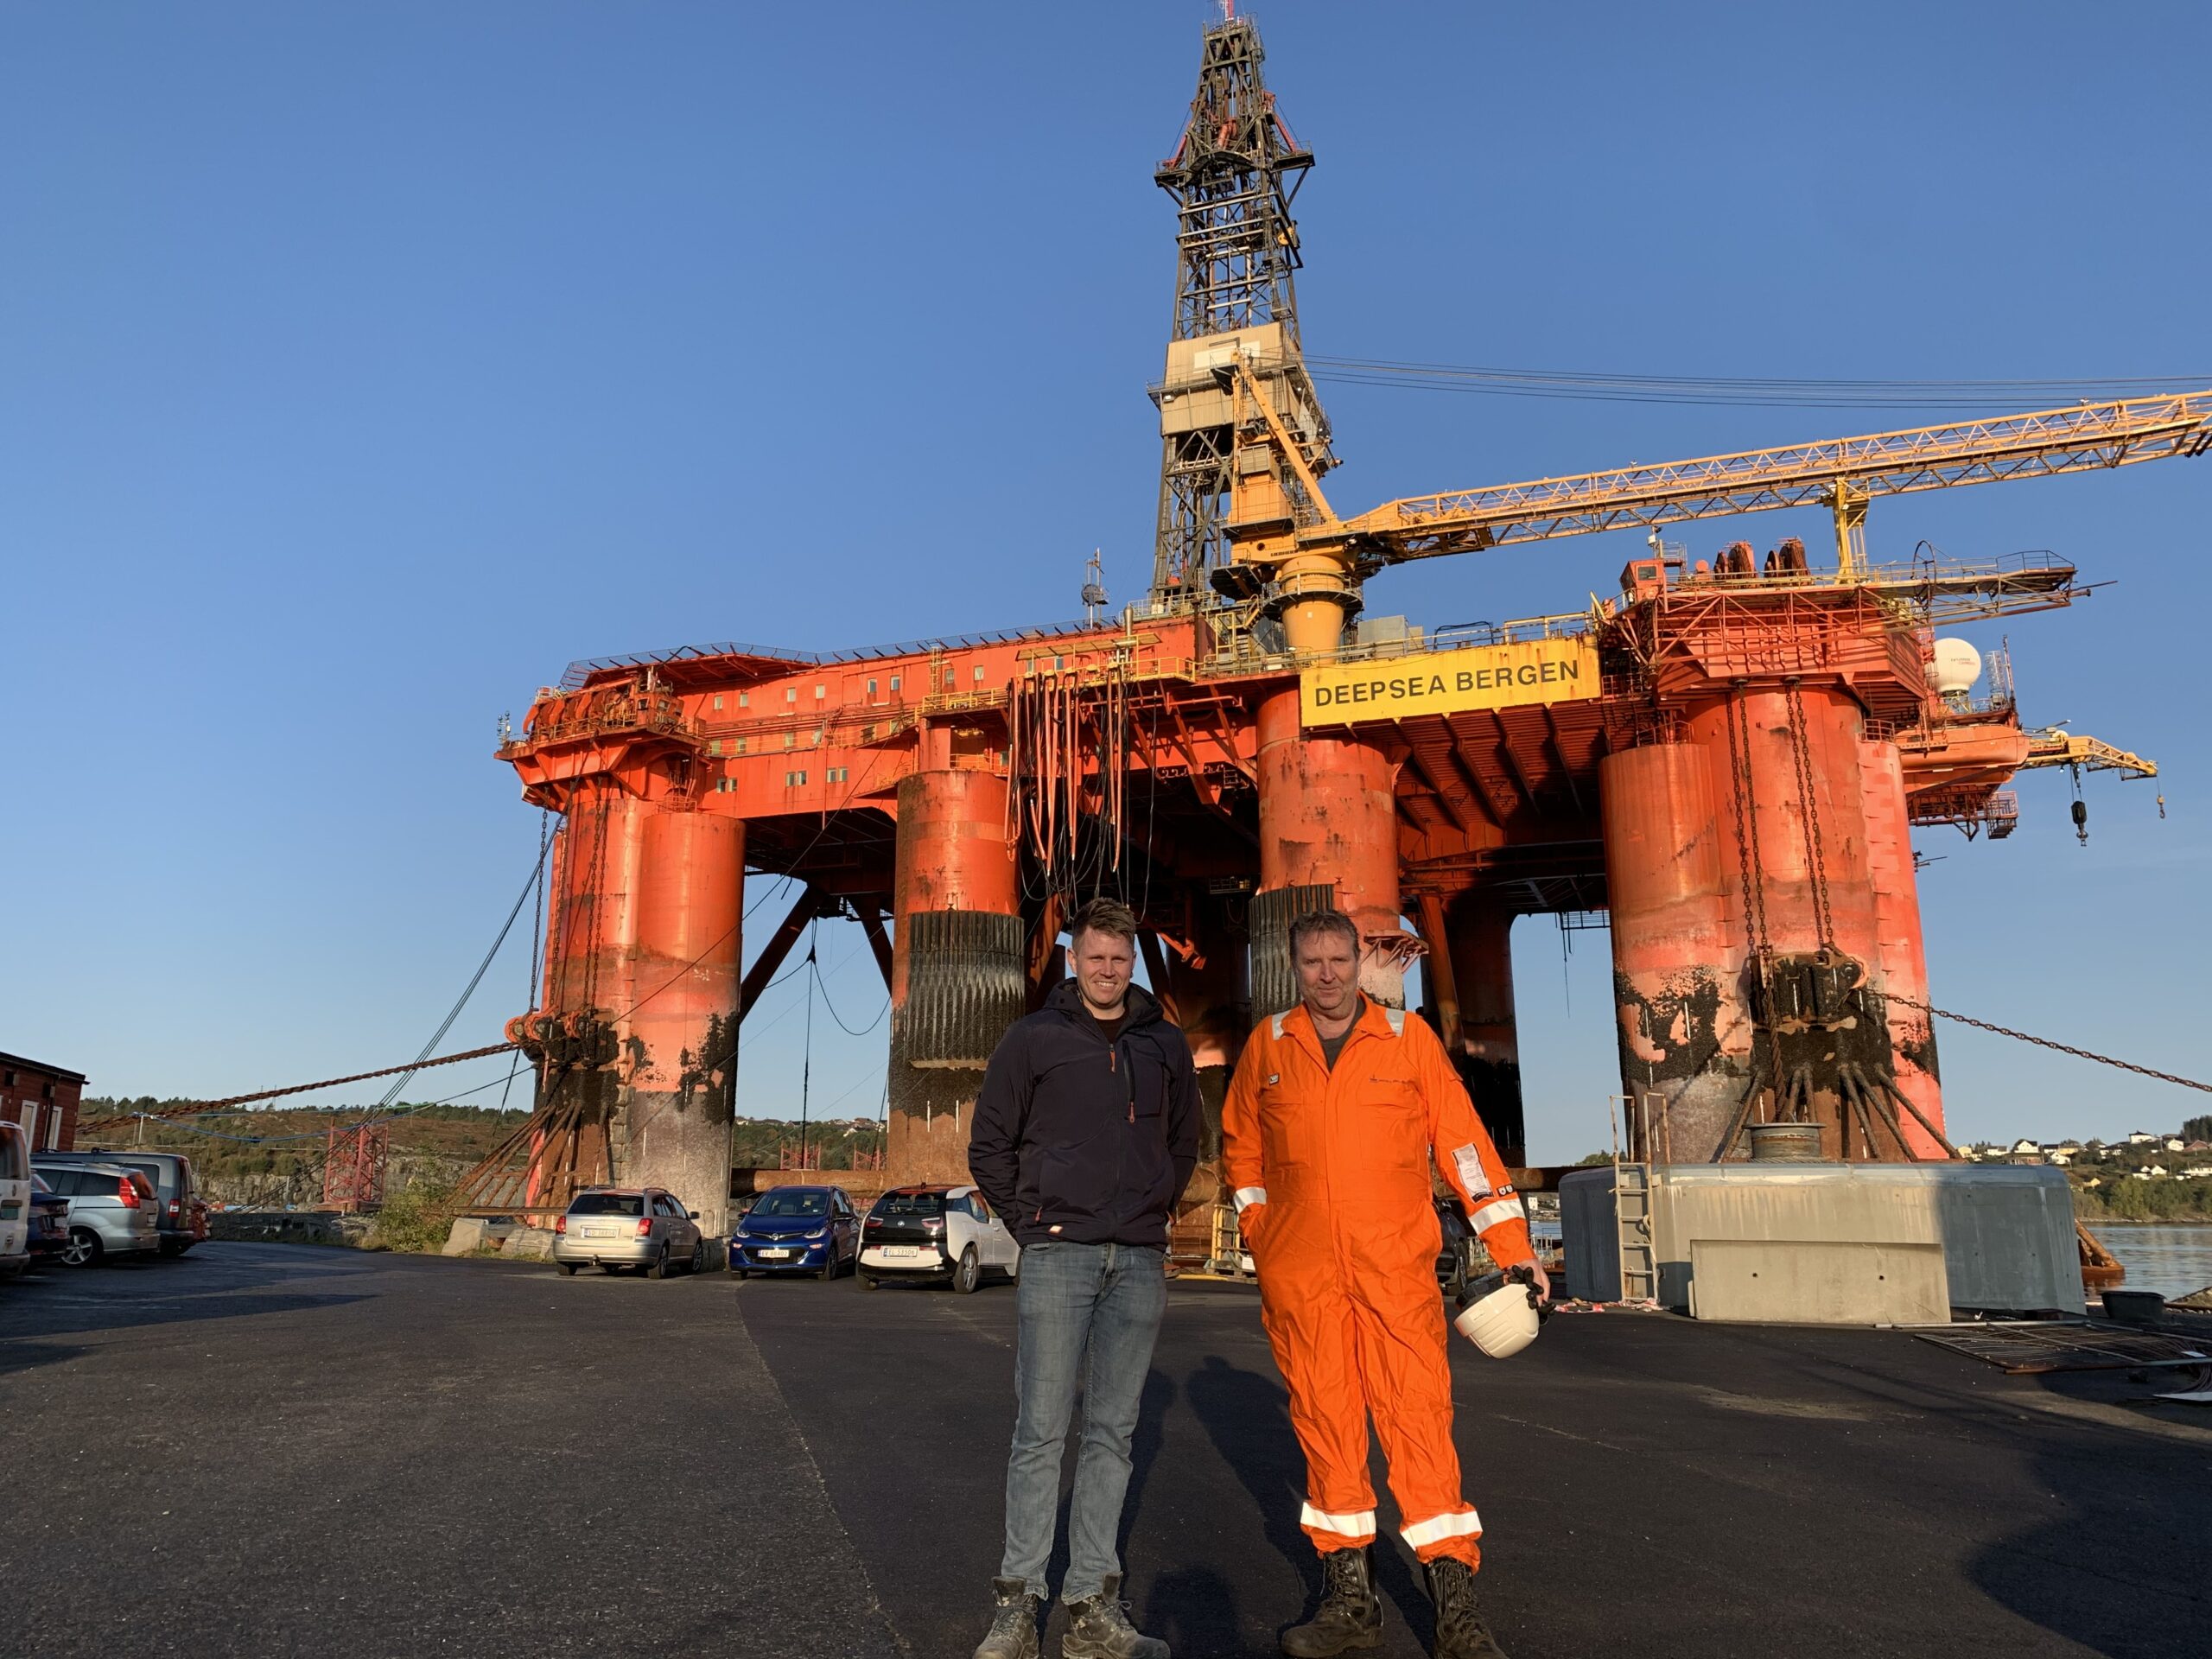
pixel 83 1249
pixel 829 1267
pixel 698 1257
pixel 659 1267
pixel 567 1269
pixel 969 1273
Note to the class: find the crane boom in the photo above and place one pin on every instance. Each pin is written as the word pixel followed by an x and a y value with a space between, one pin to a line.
pixel 1841 473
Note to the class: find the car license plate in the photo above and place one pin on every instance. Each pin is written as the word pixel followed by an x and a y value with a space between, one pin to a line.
pixel 903 1252
pixel 601 1232
pixel 776 1255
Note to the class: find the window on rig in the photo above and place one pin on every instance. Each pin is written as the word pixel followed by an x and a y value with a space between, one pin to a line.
pixel 718 704
pixel 836 774
pixel 793 780
pixel 979 673
pixel 871 688
pixel 894 682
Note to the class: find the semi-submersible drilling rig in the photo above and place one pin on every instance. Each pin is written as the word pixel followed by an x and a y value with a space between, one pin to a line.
pixel 1726 758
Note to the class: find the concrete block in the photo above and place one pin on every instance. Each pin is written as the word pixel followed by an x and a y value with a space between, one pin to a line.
pixel 467 1235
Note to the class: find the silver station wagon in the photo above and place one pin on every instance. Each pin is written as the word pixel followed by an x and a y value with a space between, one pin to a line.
pixel 617 1228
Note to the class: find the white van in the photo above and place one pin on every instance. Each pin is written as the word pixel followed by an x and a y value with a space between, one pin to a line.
pixel 15 1201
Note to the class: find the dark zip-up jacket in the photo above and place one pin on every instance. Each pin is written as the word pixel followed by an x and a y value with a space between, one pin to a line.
pixel 1080 1140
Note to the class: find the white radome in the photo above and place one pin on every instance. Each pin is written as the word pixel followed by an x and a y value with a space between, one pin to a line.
pixel 1958 666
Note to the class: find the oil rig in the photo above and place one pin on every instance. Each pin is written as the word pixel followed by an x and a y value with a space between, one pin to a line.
pixel 1724 757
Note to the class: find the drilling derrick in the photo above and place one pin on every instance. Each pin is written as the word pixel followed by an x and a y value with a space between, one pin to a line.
pixel 1233 177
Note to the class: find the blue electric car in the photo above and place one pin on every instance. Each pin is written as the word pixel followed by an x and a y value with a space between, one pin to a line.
pixel 812 1230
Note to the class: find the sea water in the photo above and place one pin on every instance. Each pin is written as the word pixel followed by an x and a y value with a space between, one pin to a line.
pixel 2172 1258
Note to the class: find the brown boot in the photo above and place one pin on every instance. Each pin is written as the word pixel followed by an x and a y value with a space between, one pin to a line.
pixel 1350 1617
pixel 1460 1632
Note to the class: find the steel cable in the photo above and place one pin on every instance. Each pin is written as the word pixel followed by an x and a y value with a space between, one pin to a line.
pixel 2046 1042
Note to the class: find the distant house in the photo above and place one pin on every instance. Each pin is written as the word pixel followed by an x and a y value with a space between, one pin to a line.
pixel 2141 1138
pixel 2019 1147
pixel 2196 1172
pixel 2198 1145
pixel 43 1099
pixel 2060 1156
pixel 2071 1149
pixel 2174 1144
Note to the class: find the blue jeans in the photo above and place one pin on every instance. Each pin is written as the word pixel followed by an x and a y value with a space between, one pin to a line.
pixel 1088 1315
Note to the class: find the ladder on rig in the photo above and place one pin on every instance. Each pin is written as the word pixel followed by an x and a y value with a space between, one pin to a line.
pixel 1634 1228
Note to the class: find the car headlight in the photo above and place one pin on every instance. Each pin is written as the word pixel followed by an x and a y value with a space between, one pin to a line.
pixel 819 1232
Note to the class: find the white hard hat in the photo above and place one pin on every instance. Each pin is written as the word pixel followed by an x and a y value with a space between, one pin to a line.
pixel 1501 1322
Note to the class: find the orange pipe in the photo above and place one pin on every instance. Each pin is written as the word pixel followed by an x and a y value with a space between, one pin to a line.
pixel 1328 814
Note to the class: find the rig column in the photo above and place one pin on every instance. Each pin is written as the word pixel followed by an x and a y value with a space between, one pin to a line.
pixel 679 1040
pixel 1678 947
pixel 1328 824
pixel 1479 930
pixel 1900 956
pixel 958 974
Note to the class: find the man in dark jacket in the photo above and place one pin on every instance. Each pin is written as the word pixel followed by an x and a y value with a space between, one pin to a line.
pixel 1086 1131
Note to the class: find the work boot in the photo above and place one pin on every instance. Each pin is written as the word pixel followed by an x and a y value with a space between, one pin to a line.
pixel 1014 1628
pixel 1099 1628
pixel 1351 1614
pixel 1460 1632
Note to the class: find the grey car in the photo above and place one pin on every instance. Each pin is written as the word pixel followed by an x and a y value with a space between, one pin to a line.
pixel 112 1210
pixel 622 1227
pixel 180 1215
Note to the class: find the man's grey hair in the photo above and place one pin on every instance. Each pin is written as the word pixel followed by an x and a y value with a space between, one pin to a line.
pixel 1317 922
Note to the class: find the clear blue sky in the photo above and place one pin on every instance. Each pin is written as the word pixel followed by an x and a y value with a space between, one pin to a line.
pixel 362 364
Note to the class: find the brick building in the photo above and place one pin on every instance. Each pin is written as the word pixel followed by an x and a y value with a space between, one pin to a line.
pixel 43 1099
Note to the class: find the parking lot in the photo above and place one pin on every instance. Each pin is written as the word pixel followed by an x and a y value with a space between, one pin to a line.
pixel 264 1449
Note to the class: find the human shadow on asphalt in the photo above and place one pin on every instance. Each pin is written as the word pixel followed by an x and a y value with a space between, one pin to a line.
pixel 1247 1418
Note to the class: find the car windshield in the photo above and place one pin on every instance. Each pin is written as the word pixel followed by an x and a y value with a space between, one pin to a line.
pixel 607 1204
pixel 911 1203
pixel 793 1203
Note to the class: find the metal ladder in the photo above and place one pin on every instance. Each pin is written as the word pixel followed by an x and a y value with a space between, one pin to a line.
pixel 1632 1219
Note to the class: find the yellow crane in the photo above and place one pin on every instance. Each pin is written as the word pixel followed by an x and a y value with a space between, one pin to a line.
pixel 1283 529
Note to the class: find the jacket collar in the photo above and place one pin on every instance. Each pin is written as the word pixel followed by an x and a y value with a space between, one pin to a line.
pixel 1141 1008
pixel 1372 1022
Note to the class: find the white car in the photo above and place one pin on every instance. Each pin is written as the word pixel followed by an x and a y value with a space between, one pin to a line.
pixel 929 1234
pixel 15 1201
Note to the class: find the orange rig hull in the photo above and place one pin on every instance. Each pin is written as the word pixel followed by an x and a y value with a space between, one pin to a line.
pixel 1729 767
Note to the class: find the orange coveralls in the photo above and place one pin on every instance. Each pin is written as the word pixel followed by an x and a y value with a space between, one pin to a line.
pixel 1332 1173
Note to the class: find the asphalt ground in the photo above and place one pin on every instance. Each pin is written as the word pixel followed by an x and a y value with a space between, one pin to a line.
pixel 262 1449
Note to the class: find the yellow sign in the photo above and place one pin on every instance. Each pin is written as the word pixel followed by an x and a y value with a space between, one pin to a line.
pixel 1446 681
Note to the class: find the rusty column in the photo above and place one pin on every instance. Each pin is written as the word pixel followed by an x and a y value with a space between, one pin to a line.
pixel 958 974
pixel 679 1039
pixel 1749 843
pixel 1479 931
pixel 1678 947
pixel 1900 956
pixel 1328 826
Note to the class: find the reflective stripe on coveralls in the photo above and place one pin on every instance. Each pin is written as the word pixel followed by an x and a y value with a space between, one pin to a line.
pixel 1345 1234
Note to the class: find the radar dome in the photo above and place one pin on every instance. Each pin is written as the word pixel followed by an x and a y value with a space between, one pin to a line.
pixel 1958 666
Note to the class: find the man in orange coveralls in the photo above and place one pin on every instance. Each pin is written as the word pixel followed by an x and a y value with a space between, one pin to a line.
pixel 1327 1135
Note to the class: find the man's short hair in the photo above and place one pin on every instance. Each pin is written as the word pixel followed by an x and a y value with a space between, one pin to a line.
pixel 1108 916
pixel 1315 922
